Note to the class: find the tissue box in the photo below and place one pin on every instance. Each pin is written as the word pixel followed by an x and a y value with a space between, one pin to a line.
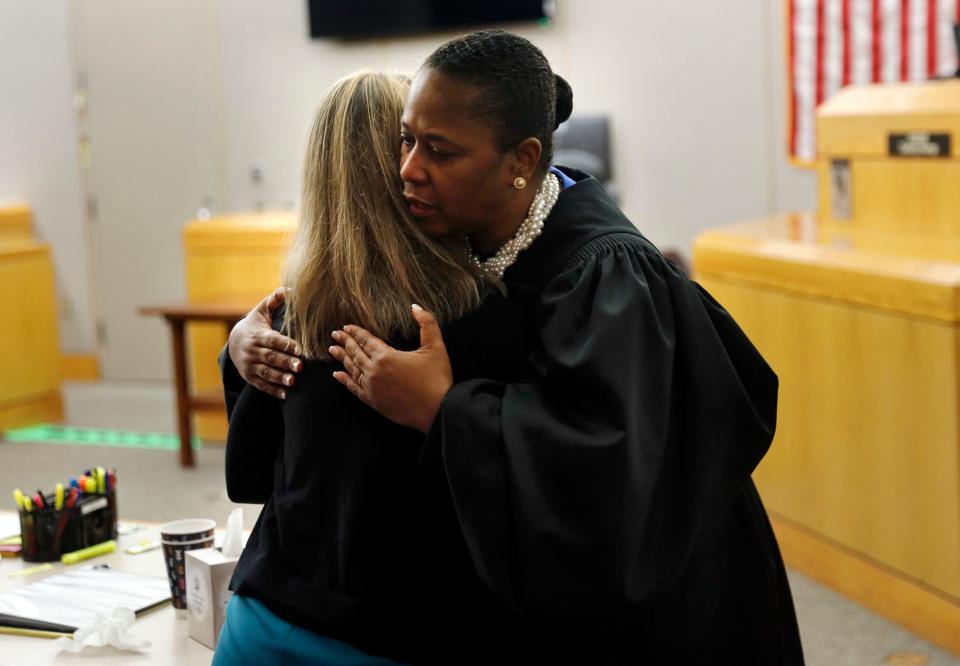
pixel 208 573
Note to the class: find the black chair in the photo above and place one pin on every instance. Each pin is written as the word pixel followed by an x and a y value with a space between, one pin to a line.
pixel 583 142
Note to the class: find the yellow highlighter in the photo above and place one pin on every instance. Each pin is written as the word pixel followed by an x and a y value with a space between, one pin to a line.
pixel 90 551
pixel 58 497
pixel 18 498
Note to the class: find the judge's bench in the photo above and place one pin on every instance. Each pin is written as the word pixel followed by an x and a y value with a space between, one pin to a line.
pixel 857 308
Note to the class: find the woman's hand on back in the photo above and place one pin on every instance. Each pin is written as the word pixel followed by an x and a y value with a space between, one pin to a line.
pixel 406 387
pixel 262 356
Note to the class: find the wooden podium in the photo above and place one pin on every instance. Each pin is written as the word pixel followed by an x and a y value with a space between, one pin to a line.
pixel 30 354
pixel 857 308
pixel 228 259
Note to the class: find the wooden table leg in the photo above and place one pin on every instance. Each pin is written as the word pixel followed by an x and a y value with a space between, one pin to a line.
pixel 183 393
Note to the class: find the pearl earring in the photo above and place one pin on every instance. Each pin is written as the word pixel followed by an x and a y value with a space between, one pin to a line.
pixel 519 182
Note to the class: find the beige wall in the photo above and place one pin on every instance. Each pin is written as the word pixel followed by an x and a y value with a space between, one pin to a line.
pixel 695 91
pixel 38 149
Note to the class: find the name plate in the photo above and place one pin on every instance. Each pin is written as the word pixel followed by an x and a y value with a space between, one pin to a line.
pixel 918 144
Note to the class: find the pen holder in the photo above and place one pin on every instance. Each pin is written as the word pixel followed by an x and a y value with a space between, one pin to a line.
pixel 48 533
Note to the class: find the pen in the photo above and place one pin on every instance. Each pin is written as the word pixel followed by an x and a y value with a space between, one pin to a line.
pixel 58 497
pixel 39 501
pixel 91 551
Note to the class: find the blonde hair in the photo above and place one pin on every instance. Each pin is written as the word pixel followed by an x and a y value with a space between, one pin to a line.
pixel 357 256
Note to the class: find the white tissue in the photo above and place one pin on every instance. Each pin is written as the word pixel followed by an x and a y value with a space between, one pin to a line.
pixel 105 631
pixel 233 539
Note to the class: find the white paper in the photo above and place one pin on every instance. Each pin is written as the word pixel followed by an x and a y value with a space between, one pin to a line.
pixel 233 539
pixel 9 525
pixel 75 598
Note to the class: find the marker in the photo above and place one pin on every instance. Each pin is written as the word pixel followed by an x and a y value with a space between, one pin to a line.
pixel 30 570
pixel 91 551
pixel 101 480
pixel 64 518
pixel 27 504
pixel 18 498
pixel 58 497
pixel 90 485
pixel 144 546
pixel 38 501
pixel 73 482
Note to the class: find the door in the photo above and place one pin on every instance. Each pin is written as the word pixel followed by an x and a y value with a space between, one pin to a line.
pixel 148 75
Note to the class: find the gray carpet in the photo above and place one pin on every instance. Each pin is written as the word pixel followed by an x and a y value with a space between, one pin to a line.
pixel 151 485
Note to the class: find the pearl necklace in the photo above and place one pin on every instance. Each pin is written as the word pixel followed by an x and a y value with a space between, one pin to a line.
pixel 543 202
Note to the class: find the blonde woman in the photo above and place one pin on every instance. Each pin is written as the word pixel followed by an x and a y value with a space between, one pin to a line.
pixel 334 552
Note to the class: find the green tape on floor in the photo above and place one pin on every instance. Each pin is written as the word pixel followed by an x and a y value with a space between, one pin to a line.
pixel 56 434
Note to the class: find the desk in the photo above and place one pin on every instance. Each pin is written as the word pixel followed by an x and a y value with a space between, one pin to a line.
pixel 166 631
pixel 863 478
pixel 30 357
pixel 188 402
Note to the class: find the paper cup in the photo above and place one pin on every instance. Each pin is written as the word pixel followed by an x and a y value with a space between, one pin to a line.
pixel 190 529
pixel 177 538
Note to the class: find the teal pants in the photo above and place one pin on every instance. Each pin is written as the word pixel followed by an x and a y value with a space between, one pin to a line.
pixel 253 635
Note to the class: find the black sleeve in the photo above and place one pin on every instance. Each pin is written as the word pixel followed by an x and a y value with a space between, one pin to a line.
pixel 254 439
pixel 255 434
pixel 587 486
pixel 233 383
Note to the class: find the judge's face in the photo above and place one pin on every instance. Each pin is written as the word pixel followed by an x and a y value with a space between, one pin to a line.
pixel 455 180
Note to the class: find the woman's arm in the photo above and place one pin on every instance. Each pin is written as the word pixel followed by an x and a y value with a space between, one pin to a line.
pixel 262 356
pixel 254 440
pixel 406 387
pixel 256 431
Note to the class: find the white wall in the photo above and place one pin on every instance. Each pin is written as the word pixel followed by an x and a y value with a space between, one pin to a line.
pixel 273 77
pixel 38 149
pixel 695 90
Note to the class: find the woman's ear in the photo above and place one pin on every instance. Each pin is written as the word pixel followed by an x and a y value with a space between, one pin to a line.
pixel 527 157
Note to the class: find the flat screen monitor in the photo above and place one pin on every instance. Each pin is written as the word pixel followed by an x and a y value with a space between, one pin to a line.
pixel 377 18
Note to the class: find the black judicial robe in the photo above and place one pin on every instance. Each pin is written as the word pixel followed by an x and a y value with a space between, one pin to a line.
pixel 584 495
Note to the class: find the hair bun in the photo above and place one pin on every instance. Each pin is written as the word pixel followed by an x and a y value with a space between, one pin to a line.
pixel 564 99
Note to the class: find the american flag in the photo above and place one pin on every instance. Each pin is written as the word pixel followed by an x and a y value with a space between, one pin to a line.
pixel 832 43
